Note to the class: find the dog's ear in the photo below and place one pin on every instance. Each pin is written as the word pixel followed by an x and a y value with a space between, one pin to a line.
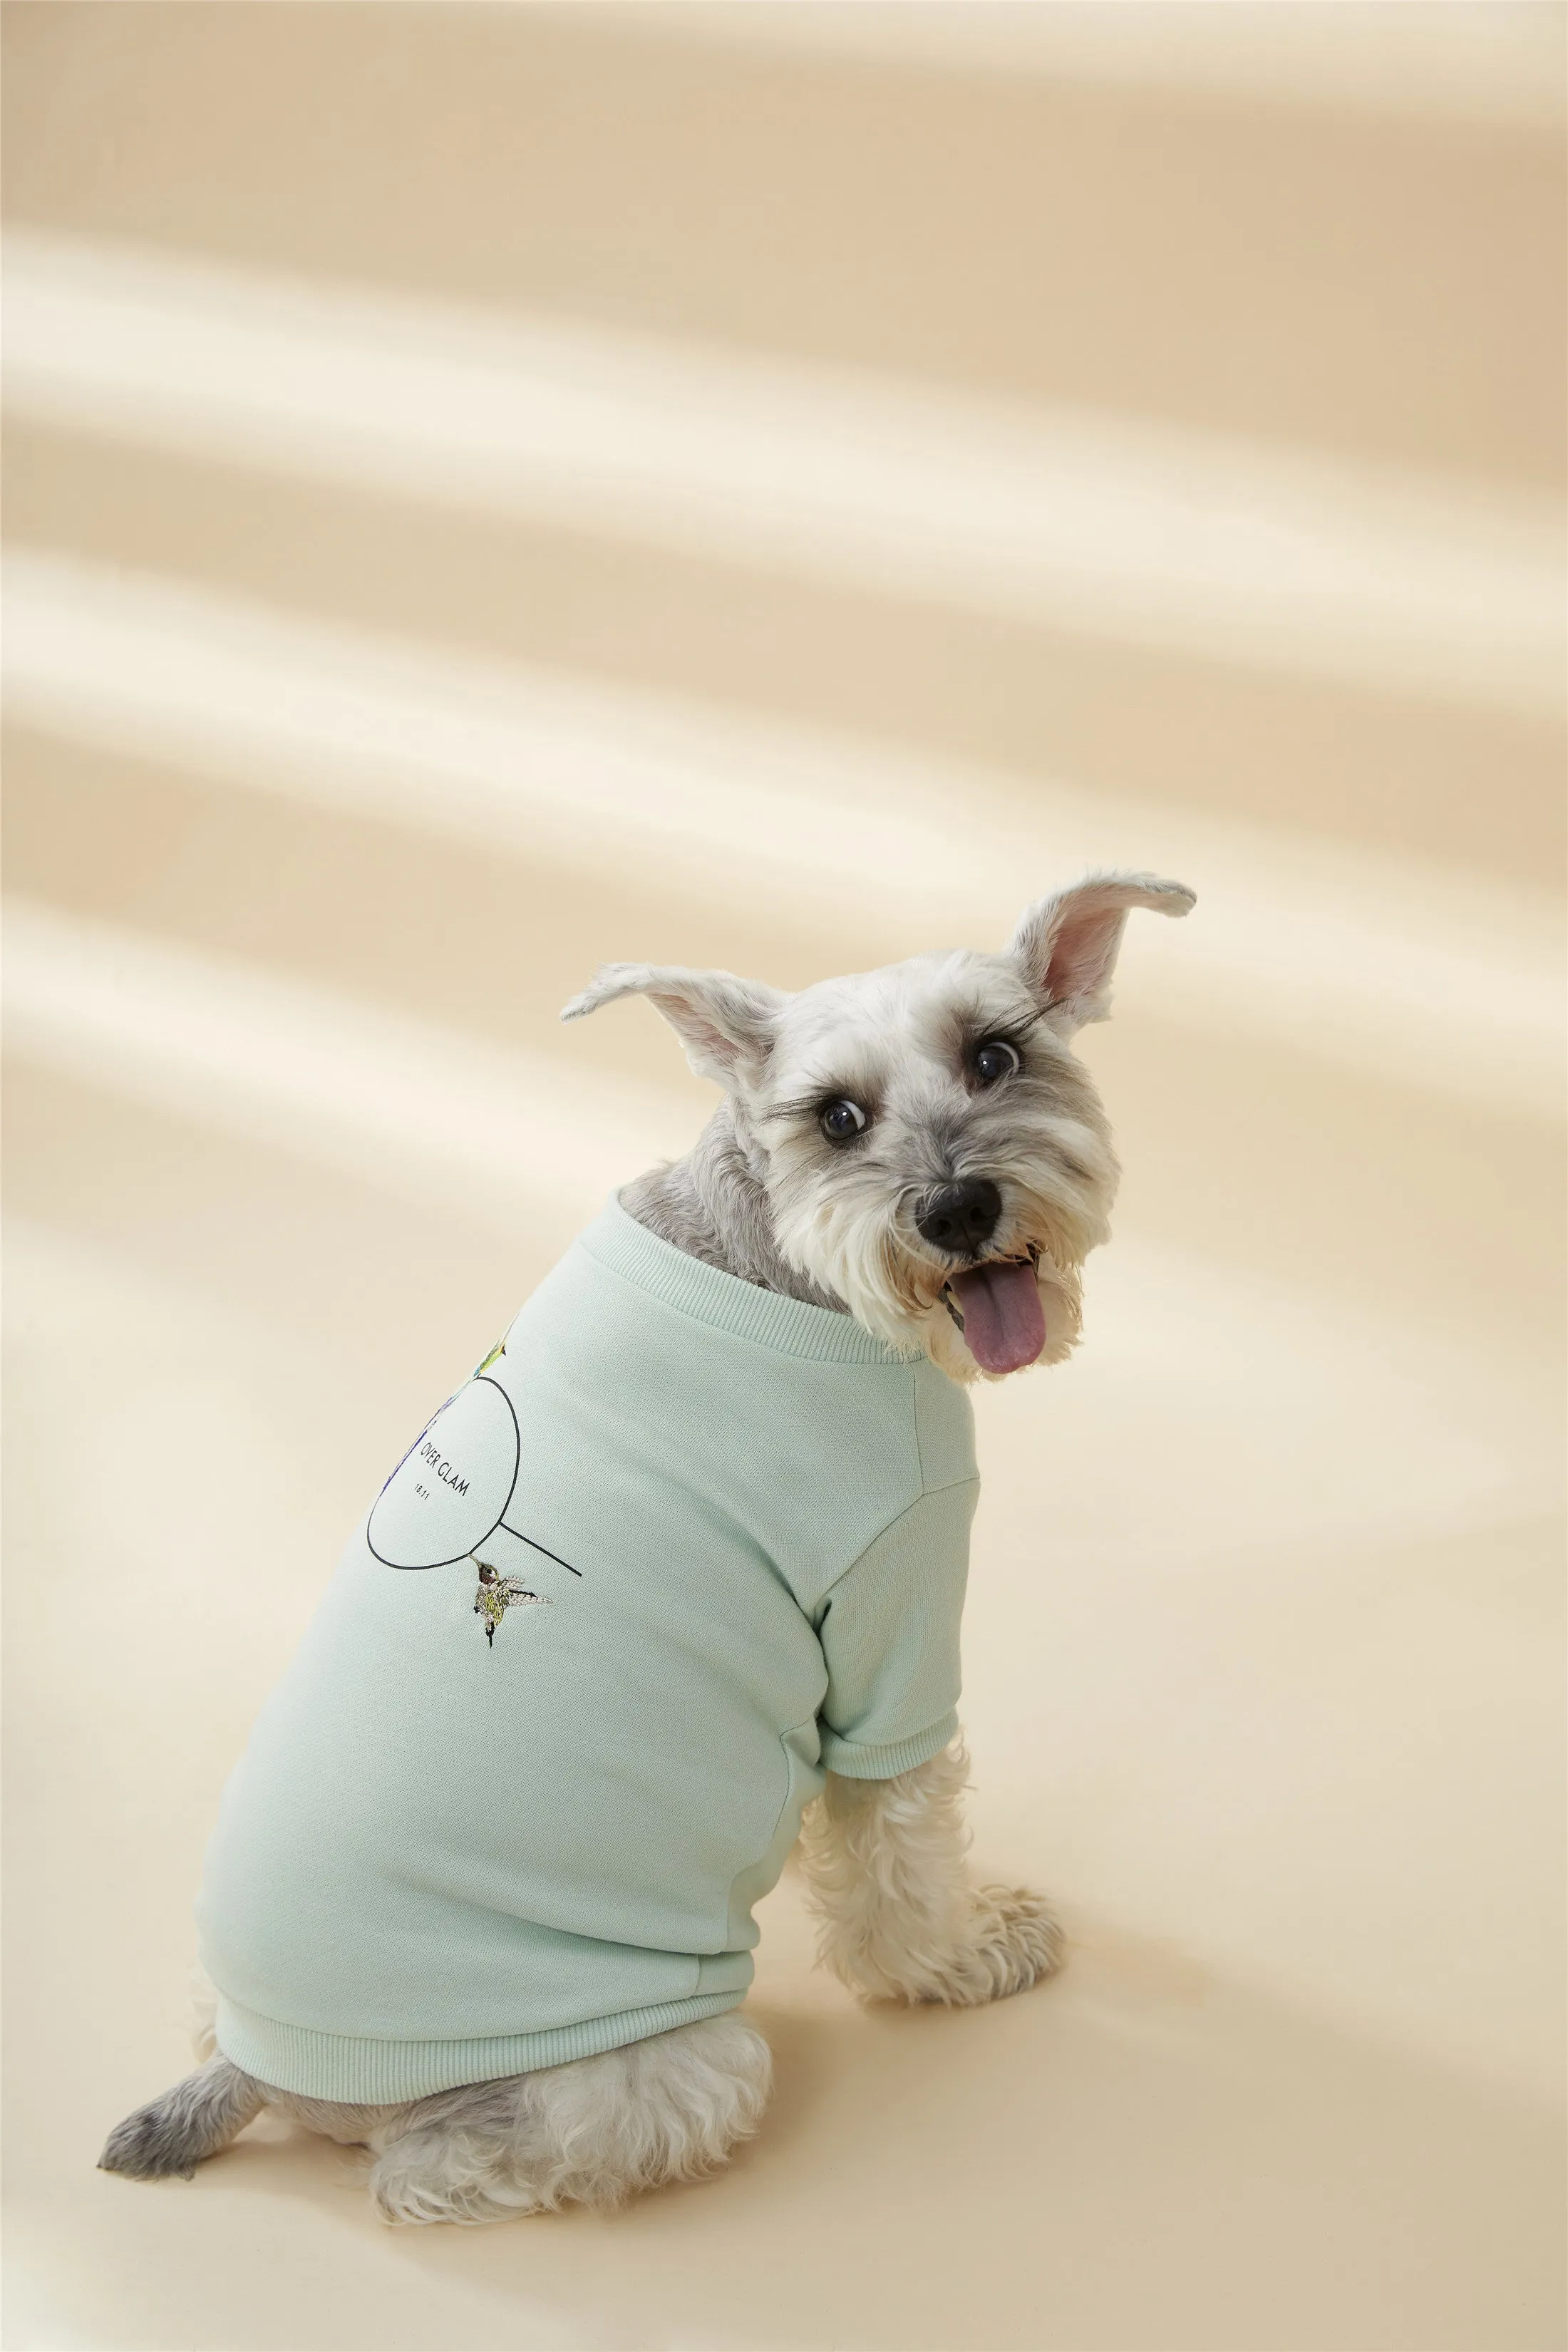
pixel 726 1024
pixel 1067 943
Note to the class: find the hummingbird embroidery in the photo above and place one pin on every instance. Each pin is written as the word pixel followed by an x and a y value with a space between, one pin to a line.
pixel 496 1595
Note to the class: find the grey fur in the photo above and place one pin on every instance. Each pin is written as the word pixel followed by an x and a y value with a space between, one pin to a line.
pixel 169 2138
pixel 712 1205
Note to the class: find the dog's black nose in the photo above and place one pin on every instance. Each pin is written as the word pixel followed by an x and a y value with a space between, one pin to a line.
pixel 961 1218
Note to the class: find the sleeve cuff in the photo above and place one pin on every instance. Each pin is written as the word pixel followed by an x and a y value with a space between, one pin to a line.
pixel 853 1760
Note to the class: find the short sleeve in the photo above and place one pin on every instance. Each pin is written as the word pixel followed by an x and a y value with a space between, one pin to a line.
pixel 889 1629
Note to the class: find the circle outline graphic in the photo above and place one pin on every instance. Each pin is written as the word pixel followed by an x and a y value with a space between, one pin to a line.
pixel 402 1566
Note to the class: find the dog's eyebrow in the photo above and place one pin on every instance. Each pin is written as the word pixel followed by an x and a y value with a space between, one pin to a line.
pixel 973 1026
pixel 981 1023
pixel 832 1090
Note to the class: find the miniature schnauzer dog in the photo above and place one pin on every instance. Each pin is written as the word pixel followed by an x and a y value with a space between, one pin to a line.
pixel 920 1147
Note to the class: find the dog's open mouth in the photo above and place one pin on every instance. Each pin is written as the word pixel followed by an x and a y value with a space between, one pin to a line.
pixel 999 1311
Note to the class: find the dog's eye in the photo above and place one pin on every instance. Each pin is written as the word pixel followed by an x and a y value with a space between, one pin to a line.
pixel 996 1059
pixel 842 1121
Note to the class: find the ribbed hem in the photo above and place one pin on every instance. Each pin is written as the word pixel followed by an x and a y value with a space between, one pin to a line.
pixel 790 1325
pixel 347 2066
pixel 853 1762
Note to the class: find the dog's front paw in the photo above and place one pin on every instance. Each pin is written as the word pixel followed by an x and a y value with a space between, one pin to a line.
pixel 1013 1941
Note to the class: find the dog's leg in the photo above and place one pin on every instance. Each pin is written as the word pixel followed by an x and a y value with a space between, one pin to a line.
pixel 593 2132
pixel 898 1917
pixel 198 2117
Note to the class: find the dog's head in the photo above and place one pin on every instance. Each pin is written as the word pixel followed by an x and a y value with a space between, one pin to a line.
pixel 931 1149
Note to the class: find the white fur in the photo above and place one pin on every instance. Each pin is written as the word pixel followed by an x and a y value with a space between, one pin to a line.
pixel 898 1917
pixel 591 2133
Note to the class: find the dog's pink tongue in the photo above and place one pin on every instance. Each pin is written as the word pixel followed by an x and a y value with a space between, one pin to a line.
pixel 1004 1321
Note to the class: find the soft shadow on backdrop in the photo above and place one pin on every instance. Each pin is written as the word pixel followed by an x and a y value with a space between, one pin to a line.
pixel 491 490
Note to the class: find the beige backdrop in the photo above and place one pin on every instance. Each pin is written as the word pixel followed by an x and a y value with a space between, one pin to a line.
pixel 491 491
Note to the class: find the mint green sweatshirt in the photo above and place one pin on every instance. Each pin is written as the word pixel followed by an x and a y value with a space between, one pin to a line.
pixel 676 1547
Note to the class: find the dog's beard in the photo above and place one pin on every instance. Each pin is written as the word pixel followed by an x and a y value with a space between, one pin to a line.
pixel 862 1246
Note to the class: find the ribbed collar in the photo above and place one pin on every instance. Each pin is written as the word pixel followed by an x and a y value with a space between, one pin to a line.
pixel 790 1325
